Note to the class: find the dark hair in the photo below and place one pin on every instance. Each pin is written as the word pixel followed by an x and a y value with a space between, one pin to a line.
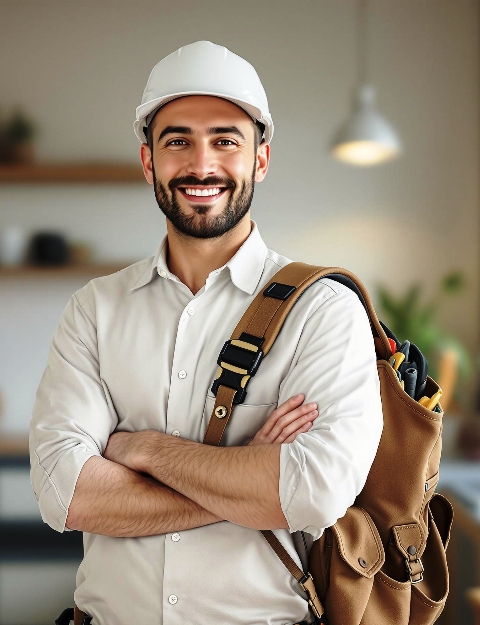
pixel 258 127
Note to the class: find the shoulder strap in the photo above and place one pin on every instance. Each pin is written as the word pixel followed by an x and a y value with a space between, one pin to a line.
pixel 251 340
pixel 257 330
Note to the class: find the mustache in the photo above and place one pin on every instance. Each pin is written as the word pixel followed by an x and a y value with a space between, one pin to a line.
pixel 210 181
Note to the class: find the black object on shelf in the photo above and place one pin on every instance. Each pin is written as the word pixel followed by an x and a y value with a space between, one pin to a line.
pixel 49 248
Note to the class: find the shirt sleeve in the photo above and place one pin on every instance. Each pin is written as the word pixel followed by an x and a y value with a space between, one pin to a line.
pixel 72 418
pixel 324 469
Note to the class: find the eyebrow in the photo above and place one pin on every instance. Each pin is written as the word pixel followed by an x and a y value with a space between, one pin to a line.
pixel 180 130
pixel 216 130
pixel 225 130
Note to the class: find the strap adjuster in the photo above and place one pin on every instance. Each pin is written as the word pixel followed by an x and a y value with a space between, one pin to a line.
pixel 308 586
pixel 415 573
pixel 238 361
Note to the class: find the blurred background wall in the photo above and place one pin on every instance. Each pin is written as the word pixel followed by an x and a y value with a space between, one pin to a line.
pixel 79 70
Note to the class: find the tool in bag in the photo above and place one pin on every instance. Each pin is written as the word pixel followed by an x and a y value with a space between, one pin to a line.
pixel 384 562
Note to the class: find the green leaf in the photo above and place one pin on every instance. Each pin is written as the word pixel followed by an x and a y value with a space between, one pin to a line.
pixel 453 282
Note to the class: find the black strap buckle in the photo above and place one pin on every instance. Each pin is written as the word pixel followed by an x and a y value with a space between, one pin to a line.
pixel 65 617
pixel 238 362
pixel 68 615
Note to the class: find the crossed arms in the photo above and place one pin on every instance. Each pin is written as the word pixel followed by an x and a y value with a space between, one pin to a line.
pixel 153 483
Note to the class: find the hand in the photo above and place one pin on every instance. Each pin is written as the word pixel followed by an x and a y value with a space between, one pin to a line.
pixel 286 422
pixel 126 448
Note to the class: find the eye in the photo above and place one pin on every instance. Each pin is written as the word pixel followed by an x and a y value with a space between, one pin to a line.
pixel 175 142
pixel 226 142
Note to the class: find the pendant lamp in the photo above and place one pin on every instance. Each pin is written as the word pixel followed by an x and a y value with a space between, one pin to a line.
pixel 367 138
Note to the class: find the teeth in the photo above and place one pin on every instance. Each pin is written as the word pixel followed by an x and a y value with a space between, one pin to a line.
pixel 203 192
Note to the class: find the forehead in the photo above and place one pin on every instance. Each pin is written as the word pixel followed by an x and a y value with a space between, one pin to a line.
pixel 200 112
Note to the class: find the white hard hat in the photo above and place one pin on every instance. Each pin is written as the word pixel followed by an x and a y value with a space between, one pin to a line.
pixel 204 68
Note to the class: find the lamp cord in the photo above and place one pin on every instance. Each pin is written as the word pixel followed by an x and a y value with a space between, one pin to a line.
pixel 362 41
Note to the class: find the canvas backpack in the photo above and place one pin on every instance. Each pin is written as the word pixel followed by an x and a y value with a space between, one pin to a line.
pixel 384 562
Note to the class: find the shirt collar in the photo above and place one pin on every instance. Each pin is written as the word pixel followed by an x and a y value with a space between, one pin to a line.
pixel 246 265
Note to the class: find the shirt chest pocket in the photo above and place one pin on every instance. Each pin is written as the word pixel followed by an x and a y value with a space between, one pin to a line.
pixel 244 423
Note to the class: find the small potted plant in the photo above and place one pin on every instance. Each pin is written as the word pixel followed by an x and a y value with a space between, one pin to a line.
pixel 409 317
pixel 19 132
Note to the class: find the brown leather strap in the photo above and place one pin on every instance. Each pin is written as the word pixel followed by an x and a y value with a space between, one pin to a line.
pixel 287 561
pixel 305 581
pixel 220 415
pixel 265 315
pixel 264 318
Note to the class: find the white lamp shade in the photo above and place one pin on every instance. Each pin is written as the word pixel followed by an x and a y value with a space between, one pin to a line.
pixel 367 138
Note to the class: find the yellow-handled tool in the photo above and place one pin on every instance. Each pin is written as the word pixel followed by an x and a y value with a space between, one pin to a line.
pixel 431 402
pixel 396 360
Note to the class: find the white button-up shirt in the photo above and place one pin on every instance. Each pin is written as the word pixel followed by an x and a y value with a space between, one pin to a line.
pixel 136 350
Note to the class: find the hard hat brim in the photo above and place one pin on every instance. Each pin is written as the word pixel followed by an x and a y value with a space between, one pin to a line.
pixel 144 110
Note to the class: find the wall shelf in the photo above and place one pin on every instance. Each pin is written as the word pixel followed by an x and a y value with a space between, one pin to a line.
pixel 93 270
pixel 71 173
pixel 14 446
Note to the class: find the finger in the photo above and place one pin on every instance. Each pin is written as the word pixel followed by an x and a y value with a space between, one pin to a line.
pixel 298 423
pixel 289 418
pixel 282 410
pixel 303 429
pixel 295 426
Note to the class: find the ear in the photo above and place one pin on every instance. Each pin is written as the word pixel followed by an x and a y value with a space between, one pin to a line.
pixel 147 163
pixel 262 161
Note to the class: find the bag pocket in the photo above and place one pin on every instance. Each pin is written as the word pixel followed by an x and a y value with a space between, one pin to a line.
pixel 402 602
pixel 356 556
pixel 429 596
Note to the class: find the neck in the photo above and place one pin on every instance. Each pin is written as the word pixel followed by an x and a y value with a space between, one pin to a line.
pixel 192 260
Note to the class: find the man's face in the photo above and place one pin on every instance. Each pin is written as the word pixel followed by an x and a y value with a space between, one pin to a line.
pixel 205 164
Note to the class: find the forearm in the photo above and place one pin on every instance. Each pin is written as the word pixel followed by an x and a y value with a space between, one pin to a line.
pixel 239 484
pixel 113 500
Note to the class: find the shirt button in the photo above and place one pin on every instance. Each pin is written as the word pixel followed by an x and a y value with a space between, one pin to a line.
pixel 175 433
pixel 173 599
pixel 163 273
pixel 191 311
pixel 175 537
pixel 182 374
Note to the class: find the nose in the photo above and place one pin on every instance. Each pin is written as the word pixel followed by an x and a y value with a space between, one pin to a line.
pixel 202 162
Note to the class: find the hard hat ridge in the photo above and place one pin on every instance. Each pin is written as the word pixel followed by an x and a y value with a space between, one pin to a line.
pixel 204 68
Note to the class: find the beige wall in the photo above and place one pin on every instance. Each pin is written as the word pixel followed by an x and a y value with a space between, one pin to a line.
pixel 80 68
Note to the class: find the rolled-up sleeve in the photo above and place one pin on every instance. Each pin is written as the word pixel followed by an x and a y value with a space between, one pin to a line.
pixel 324 469
pixel 72 418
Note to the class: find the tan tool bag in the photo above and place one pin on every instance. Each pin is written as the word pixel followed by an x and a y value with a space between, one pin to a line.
pixel 384 562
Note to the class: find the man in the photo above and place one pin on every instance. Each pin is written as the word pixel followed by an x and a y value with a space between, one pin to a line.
pixel 171 525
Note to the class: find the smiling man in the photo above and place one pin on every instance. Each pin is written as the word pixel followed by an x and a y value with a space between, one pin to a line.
pixel 219 156
pixel 171 524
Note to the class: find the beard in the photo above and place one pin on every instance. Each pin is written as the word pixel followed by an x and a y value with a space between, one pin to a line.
pixel 235 209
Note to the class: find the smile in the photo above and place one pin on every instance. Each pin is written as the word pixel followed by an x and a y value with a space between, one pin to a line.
pixel 198 194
